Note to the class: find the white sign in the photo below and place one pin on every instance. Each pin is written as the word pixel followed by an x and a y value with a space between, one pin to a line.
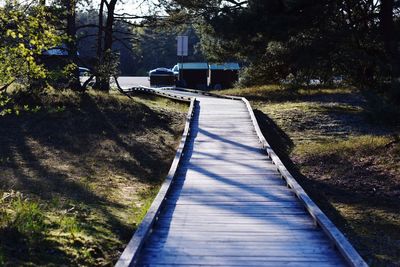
pixel 182 45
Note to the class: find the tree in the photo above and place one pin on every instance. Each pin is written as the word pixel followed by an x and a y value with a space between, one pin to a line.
pixel 107 60
pixel 389 24
pixel 70 8
pixel 305 38
pixel 24 34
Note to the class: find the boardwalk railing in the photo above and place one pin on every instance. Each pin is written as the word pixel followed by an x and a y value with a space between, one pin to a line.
pixel 159 92
pixel 130 255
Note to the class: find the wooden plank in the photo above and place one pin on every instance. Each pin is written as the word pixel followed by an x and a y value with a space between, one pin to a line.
pixel 217 212
pixel 270 178
pixel 240 260
pixel 211 181
pixel 233 167
pixel 237 223
pixel 265 243
pixel 215 163
pixel 224 156
pixel 218 160
pixel 237 228
pixel 204 176
pixel 220 199
pixel 210 138
pixel 231 186
pixel 223 131
pixel 222 171
pixel 226 149
pixel 304 251
pixel 214 242
pixel 283 236
pixel 227 144
pixel 249 263
pixel 226 191
pixel 236 217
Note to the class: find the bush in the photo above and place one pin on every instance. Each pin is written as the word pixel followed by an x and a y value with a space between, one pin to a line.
pixel 383 108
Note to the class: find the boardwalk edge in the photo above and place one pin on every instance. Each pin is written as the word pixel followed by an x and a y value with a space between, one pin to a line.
pixel 336 236
pixel 131 252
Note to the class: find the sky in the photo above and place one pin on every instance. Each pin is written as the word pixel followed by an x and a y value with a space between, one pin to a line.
pixel 132 6
pixel 136 7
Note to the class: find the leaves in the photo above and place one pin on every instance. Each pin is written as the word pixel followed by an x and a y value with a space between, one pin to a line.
pixel 26 33
pixel 308 39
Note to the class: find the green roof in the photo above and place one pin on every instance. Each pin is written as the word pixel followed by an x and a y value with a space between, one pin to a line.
pixel 193 66
pixel 225 66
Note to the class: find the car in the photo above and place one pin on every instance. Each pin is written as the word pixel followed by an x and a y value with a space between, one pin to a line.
pixel 337 80
pixel 161 77
pixel 315 82
pixel 84 71
pixel 175 69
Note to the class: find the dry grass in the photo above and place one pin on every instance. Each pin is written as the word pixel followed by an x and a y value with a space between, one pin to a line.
pixel 78 174
pixel 348 163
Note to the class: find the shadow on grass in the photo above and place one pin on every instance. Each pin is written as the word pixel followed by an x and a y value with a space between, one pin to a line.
pixel 282 142
pixel 16 246
pixel 323 193
pixel 70 136
pixel 309 95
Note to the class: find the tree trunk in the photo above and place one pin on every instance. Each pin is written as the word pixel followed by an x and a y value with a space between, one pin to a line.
pixel 389 37
pixel 99 52
pixel 74 82
pixel 108 33
pixel 106 58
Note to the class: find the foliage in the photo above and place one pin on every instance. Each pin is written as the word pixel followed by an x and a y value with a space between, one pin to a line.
pixel 136 49
pixel 9 105
pixel 24 35
pixel 156 47
pixel 358 40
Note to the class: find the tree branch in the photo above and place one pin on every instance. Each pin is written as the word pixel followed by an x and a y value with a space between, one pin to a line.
pixel 87 26
pixel 122 41
pixel 119 87
pixel 4 87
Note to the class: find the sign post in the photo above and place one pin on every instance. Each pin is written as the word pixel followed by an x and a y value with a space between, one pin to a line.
pixel 182 45
pixel 182 49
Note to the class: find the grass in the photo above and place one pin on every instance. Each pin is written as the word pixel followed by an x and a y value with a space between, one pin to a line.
pixel 78 172
pixel 346 155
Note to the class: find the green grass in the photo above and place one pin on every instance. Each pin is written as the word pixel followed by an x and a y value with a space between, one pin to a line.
pixel 359 144
pixel 79 172
pixel 146 197
pixel 23 215
pixel 345 152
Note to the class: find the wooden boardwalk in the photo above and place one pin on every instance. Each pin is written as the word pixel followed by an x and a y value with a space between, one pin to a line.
pixel 229 206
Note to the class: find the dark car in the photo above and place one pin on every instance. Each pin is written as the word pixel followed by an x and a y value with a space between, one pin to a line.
pixel 161 77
